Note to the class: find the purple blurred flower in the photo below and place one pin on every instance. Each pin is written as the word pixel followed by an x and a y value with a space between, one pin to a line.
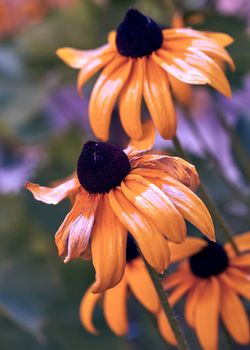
pixel 16 166
pixel 239 8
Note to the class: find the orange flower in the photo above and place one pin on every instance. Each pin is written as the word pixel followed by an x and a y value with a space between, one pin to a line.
pixel 143 61
pixel 135 280
pixel 112 193
pixel 213 278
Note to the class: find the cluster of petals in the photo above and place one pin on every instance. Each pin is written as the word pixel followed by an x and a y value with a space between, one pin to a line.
pixel 152 203
pixel 186 56
pixel 209 299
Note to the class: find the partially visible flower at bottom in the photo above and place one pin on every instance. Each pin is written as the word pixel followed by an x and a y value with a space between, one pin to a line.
pixel 136 281
pixel 113 193
pixel 212 277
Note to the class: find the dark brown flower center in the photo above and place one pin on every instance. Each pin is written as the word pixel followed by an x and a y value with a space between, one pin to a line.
pixel 138 35
pixel 101 167
pixel 210 261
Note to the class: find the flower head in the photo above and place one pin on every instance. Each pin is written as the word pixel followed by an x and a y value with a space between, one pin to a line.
pixel 213 278
pixel 114 192
pixel 136 281
pixel 142 60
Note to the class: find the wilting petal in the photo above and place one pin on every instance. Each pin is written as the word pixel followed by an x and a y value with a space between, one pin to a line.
pixel 153 203
pixel 182 91
pixel 165 328
pixel 192 301
pixel 91 67
pixel 158 98
pixel 151 242
pixel 115 308
pixel 105 93
pixel 141 285
pixel 52 195
pixel 130 101
pixel 179 68
pixel 87 307
pixel 191 246
pixel 108 246
pixel 80 228
pixel 207 315
pixel 146 141
pixel 77 58
pixel 234 315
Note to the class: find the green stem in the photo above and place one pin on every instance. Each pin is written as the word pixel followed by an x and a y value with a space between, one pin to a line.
pixel 209 201
pixel 209 155
pixel 182 343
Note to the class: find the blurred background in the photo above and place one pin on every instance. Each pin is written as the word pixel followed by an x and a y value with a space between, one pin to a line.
pixel 43 124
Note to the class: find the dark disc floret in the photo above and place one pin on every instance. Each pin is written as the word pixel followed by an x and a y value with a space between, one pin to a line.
pixel 101 167
pixel 138 35
pixel 131 249
pixel 210 261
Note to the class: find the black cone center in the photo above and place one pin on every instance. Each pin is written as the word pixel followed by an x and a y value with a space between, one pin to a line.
pixel 101 167
pixel 138 35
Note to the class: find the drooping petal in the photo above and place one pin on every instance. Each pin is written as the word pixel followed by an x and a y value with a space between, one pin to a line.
pixel 207 314
pixel 80 228
pixel 115 308
pixel 191 246
pixel 91 67
pixel 130 101
pixel 53 195
pixel 77 58
pixel 158 98
pixel 165 328
pixel 87 307
pixel 182 91
pixel 151 242
pixel 234 315
pixel 153 203
pixel 108 246
pixel 192 300
pixel 179 68
pixel 141 285
pixel 105 93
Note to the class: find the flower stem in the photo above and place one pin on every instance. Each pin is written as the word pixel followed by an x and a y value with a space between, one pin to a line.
pixel 181 340
pixel 209 201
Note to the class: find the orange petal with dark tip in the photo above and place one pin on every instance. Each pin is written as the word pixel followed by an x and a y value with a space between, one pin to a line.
pixel 141 285
pixel 151 242
pixel 234 315
pixel 154 204
pixel 86 310
pixel 77 58
pixel 53 195
pixel 108 246
pixel 115 308
pixel 165 328
pixel 105 93
pixel 191 246
pixel 207 314
pixel 157 95
pixel 130 101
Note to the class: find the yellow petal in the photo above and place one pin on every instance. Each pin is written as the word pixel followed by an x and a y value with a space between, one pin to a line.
pixel 105 93
pixel 234 315
pixel 115 308
pixel 151 242
pixel 130 101
pixel 158 98
pixel 52 195
pixel 87 307
pixel 141 285
pixel 108 246
pixel 153 203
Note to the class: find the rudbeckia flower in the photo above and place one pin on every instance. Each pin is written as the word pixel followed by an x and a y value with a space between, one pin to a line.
pixel 144 61
pixel 135 281
pixel 112 193
pixel 213 279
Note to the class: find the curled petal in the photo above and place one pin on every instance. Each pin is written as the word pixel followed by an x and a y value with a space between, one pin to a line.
pixel 53 195
pixel 108 245
pixel 87 307
pixel 115 308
